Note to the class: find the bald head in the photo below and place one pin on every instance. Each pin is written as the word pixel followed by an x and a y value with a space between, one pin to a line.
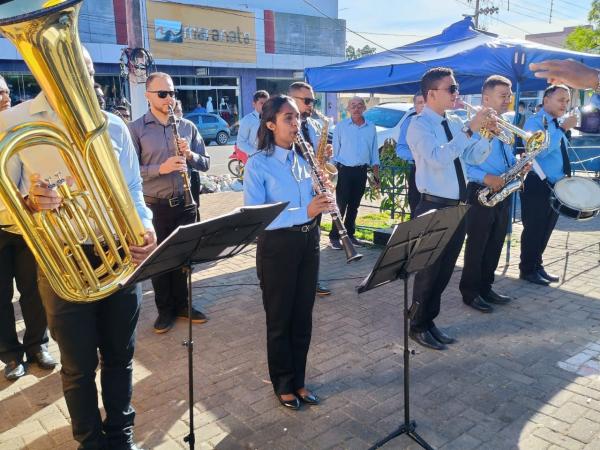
pixel 88 61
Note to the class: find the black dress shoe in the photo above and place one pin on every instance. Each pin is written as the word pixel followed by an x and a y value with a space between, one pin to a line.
pixel 44 360
pixel 14 370
pixel 309 399
pixel 479 304
pixel 426 339
pixel 495 298
pixel 534 278
pixel 548 276
pixel 163 323
pixel 322 290
pixel 197 315
pixel 293 404
pixel 335 244
pixel 440 336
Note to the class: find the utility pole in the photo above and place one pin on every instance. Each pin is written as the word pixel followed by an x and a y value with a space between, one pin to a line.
pixel 476 16
pixel 551 5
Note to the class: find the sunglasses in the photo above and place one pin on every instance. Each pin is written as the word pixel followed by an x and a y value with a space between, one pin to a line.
pixel 452 89
pixel 163 94
pixel 307 100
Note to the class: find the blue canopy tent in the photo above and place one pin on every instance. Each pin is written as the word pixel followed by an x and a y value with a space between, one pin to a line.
pixel 472 54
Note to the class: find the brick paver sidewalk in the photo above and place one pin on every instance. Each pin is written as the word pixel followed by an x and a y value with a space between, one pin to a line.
pixel 526 376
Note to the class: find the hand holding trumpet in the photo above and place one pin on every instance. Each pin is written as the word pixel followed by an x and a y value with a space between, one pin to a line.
pixel 484 118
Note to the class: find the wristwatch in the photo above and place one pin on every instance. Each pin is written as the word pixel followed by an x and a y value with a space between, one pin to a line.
pixel 467 130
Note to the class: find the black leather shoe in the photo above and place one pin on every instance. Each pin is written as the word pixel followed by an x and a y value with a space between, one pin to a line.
pixel 322 290
pixel 440 336
pixel 495 298
pixel 197 315
pixel 426 339
pixel 548 276
pixel 335 244
pixel 44 360
pixel 309 399
pixel 534 278
pixel 163 323
pixel 14 370
pixel 291 404
pixel 479 304
pixel 355 241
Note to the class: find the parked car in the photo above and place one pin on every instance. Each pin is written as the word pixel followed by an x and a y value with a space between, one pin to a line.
pixel 211 126
pixel 388 118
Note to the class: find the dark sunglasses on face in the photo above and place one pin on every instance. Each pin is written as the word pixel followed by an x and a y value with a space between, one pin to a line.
pixel 452 89
pixel 163 94
pixel 307 100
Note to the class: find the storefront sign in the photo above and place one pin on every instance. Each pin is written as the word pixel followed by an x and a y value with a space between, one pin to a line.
pixel 197 33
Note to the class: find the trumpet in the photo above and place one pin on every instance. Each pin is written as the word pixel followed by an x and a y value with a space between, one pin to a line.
pixel 507 133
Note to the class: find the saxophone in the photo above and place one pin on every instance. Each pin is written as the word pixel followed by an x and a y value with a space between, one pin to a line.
pixel 328 168
pixel 535 143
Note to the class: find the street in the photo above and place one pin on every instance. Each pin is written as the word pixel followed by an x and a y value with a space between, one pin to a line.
pixel 219 157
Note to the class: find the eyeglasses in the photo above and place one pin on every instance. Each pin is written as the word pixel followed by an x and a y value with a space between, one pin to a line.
pixel 307 100
pixel 4 92
pixel 163 94
pixel 452 89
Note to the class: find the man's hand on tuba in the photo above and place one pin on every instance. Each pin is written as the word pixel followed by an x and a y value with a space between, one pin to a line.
pixel 41 196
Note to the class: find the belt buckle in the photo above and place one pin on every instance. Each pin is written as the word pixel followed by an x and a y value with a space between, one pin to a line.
pixel 305 228
pixel 174 201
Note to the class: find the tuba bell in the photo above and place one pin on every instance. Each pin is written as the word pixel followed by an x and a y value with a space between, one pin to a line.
pixel 99 210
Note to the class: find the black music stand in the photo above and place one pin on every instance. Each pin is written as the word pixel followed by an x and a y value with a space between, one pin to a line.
pixel 212 240
pixel 413 246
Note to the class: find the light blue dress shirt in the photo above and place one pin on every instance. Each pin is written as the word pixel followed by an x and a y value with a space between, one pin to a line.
pixel 283 176
pixel 314 131
pixel 550 159
pixel 46 161
pixel 434 155
pixel 355 145
pixel 495 164
pixel 402 149
pixel 248 132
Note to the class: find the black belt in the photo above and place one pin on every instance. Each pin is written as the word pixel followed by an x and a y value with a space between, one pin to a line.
pixel 362 166
pixel 304 228
pixel 440 200
pixel 172 202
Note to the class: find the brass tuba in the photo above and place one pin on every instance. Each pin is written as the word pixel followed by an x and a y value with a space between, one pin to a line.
pixel 99 210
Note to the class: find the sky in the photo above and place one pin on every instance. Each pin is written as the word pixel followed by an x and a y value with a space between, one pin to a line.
pixel 391 23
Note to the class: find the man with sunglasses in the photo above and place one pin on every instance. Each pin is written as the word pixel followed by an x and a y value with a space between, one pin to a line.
pixel 303 95
pixel 161 164
pixel 441 145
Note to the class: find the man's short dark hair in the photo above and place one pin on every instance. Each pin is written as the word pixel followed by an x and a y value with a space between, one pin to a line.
pixel 155 75
pixel 553 88
pixel 260 94
pixel 299 85
pixel 97 85
pixel 493 81
pixel 417 94
pixel 432 78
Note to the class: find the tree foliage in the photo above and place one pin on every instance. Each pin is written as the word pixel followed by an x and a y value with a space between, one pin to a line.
pixel 587 39
pixel 355 53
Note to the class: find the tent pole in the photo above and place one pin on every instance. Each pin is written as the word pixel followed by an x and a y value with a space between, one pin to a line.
pixel 513 203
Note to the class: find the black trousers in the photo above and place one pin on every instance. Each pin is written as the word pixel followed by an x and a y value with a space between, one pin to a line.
pixel 81 331
pixel 539 220
pixel 195 188
pixel 287 265
pixel 430 283
pixel 170 289
pixel 351 185
pixel 17 262
pixel 486 229
pixel 414 196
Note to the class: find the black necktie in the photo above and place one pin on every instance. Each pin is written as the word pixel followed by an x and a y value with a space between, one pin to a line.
pixel 305 133
pixel 563 151
pixel 462 185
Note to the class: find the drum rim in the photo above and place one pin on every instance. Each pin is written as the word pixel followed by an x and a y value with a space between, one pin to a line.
pixel 566 180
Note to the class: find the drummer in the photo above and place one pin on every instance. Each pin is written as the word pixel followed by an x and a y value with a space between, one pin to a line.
pixel 550 166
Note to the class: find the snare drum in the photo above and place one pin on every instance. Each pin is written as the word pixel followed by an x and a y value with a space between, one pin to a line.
pixel 576 197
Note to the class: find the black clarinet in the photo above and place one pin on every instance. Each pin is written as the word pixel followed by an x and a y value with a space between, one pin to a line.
pixel 351 253
pixel 188 201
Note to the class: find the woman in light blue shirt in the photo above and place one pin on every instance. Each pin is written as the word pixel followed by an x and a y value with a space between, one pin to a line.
pixel 287 254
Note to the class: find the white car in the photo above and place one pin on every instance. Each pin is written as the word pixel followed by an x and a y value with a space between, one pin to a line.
pixel 388 118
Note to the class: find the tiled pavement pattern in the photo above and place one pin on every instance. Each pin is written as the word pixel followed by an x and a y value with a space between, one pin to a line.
pixel 500 387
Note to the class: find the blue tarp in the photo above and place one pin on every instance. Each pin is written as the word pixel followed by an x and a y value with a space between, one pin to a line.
pixel 472 54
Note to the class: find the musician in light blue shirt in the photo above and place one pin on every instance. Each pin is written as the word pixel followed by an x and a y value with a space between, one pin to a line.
pixel 486 226
pixel 439 146
pixel 552 164
pixel 403 151
pixel 248 129
pixel 354 151
pixel 287 254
